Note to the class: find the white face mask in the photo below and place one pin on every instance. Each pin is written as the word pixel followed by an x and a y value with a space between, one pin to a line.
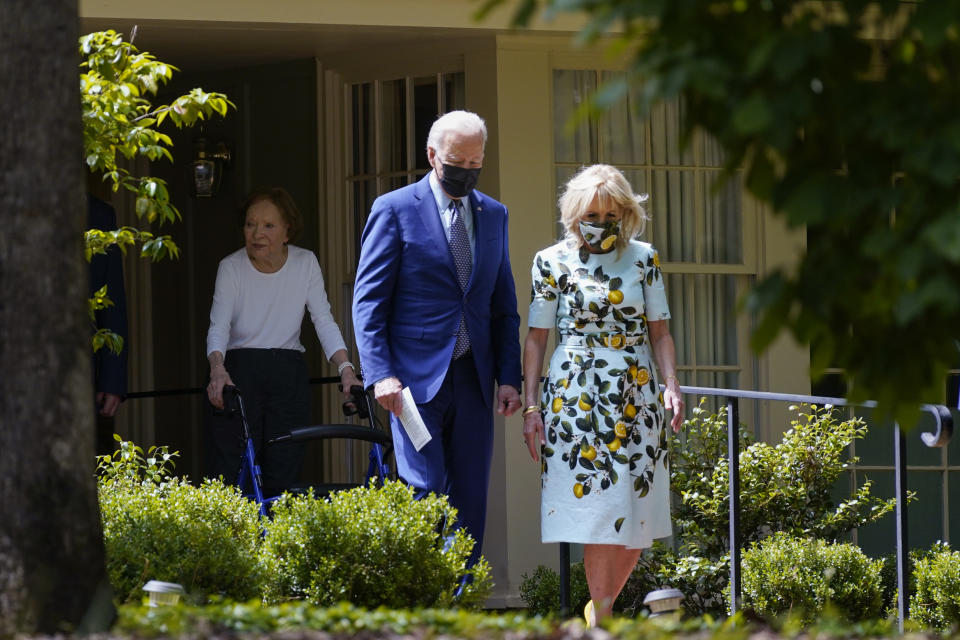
pixel 600 236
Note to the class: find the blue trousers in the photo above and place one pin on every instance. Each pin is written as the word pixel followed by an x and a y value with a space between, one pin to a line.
pixel 456 461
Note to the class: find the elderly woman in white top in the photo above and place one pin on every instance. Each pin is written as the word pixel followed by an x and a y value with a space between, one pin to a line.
pixel 261 294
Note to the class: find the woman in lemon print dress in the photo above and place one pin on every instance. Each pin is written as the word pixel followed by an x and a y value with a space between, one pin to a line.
pixel 598 423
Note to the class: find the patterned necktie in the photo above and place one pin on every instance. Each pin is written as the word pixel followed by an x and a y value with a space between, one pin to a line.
pixel 463 259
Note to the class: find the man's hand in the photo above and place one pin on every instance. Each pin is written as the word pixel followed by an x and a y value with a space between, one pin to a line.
pixel 107 403
pixel 508 400
pixel 389 393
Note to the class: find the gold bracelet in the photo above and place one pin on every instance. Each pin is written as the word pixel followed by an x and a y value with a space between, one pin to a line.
pixel 667 379
pixel 530 409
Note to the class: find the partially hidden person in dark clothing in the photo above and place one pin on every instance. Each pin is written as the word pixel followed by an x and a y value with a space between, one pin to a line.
pixel 109 368
pixel 262 292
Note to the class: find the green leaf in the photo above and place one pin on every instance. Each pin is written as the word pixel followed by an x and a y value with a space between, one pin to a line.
pixel 753 115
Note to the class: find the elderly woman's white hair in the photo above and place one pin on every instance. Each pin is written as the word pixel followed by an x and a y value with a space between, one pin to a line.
pixel 609 185
pixel 465 122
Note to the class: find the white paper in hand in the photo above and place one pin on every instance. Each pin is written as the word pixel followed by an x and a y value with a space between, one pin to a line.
pixel 412 422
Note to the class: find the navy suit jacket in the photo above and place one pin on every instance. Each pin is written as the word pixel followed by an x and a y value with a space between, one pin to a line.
pixel 110 369
pixel 407 301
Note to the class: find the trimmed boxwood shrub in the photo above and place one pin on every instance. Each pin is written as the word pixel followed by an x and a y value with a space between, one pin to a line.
pixel 158 527
pixel 541 590
pixel 371 546
pixel 937 601
pixel 802 576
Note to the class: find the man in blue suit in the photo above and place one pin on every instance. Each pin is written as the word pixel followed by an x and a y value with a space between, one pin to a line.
pixel 435 309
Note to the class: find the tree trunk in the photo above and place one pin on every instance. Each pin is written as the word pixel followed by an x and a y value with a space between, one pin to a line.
pixel 51 549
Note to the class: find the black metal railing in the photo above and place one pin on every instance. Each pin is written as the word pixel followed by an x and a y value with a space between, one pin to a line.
pixel 188 391
pixel 940 436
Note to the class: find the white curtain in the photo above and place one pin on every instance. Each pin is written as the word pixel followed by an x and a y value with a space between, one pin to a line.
pixel 693 222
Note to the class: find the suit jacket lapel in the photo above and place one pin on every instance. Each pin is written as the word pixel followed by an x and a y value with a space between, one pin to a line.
pixel 484 233
pixel 430 219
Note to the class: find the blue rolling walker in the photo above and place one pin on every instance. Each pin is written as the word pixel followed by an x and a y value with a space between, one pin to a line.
pixel 250 479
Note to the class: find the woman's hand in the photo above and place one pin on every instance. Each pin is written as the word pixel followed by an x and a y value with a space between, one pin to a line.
pixel 348 380
pixel 533 434
pixel 666 355
pixel 673 400
pixel 219 378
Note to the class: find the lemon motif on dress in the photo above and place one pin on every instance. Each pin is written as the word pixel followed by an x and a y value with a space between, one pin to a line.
pixel 557 404
pixel 603 424
pixel 584 402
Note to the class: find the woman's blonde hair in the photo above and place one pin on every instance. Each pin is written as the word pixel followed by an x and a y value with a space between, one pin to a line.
pixel 609 185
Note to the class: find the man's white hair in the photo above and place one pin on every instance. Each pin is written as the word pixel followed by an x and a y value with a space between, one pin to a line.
pixel 465 122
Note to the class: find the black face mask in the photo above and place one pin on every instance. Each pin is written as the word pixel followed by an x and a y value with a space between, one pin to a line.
pixel 457 182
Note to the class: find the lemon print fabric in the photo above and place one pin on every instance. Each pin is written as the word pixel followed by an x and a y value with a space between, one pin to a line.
pixel 605 470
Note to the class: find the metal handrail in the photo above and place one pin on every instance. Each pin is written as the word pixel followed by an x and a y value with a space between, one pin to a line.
pixel 940 437
pixel 186 391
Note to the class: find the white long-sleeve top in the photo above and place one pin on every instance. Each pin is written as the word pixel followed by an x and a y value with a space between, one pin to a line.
pixel 255 310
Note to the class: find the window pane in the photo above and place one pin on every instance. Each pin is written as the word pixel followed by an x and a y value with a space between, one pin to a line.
pixel 363 147
pixel 680 298
pixel 454 92
pixel 712 154
pixel 715 298
pixel 425 111
pixel 831 385
pixel 954 491
pixel 622 130
pixel 672 206
pixel 877 447
pixel 665 120
pixel 393 122
pixel 394 182
pixel 563 175
pixel 953 451
pixel 878 539
pixel 722 220
pixel 717 380
pixel 953 389
pixel 570 90
pixel 362 194
pixel 925 515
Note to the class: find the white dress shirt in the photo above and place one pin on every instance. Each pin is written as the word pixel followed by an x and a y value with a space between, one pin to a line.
pixel 443 206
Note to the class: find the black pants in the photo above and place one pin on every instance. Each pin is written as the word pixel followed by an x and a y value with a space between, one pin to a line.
pixel 274 387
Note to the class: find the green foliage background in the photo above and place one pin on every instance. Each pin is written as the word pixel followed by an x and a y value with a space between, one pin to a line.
pixel 936 604
pixel 804 576
pixel 117 82
pixel 843 117
pixel 784 487
pixel 160 527
pixel 371 547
